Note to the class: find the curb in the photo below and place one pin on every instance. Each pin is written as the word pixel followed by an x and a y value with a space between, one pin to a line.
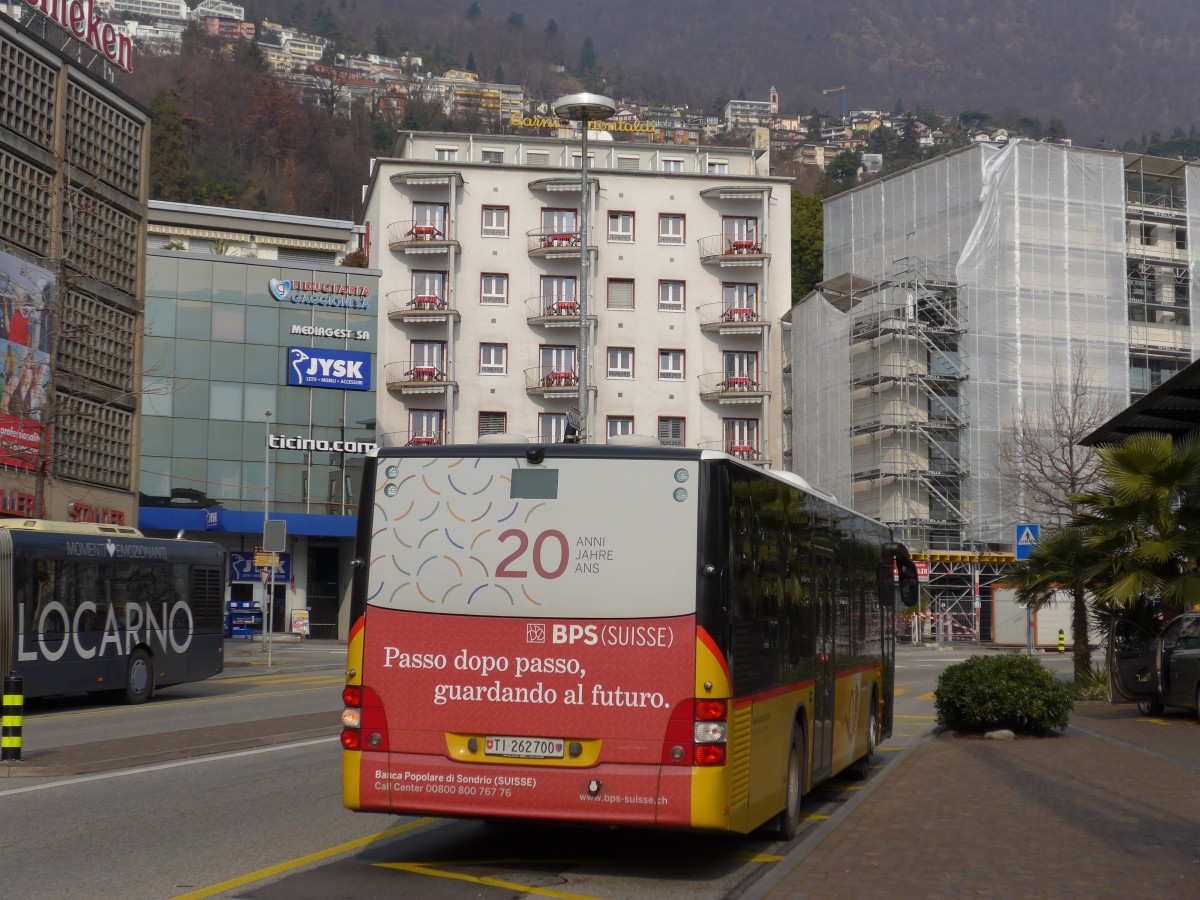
pixel 784 868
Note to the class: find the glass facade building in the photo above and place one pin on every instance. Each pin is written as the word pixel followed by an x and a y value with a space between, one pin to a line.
pixel 227 339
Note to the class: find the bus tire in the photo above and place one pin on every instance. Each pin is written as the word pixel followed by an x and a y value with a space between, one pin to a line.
pixel 862 766
pixel 789 819
pixel 139 679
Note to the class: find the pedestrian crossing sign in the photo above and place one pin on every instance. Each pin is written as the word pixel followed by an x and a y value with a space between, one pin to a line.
pixel 1027 538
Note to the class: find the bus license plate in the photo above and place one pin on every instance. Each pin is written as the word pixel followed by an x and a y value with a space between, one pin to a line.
pixel 524 748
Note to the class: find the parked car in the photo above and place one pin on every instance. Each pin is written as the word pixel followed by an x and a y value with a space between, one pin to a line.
pixel 1160 672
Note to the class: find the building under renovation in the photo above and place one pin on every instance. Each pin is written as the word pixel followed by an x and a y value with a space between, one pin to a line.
pixel 955 294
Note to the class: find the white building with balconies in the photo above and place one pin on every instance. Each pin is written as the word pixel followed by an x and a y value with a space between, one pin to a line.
pixel 479 242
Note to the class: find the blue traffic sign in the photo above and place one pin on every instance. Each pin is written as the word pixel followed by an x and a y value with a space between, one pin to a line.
pixel 1027 538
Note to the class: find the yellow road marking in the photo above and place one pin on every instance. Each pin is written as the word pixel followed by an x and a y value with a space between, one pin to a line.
pixel 841 787
pixel 915 717
pixel 928 696
pixel 1155 722
pixel 319 856
pixel 900 693
pixel 815 817
pixel 890 749
pixel 419 869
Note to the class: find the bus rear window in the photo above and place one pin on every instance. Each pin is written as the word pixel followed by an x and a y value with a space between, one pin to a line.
pixel 534 484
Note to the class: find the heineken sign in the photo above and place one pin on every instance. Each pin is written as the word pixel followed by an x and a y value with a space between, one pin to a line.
pixel 80 19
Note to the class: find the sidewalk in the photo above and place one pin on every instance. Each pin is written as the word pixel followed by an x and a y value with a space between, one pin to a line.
pixel 1075 815
pixel 285 650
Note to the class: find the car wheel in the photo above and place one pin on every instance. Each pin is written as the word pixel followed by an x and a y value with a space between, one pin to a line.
pixel 1198 701
pixel 789 819
pixel 139 680
pixel 1150 708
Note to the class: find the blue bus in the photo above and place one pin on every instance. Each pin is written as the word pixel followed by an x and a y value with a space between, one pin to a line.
pixel 89 608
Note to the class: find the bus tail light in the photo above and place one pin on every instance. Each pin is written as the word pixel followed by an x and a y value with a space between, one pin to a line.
pixel 696 734
pixel 364 725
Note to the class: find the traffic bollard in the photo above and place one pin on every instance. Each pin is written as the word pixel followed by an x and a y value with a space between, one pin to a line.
pixel 1062 640
pixel 11 717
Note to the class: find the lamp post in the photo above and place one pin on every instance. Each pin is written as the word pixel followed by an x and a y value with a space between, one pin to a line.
pixel 583 108
pixel 266 518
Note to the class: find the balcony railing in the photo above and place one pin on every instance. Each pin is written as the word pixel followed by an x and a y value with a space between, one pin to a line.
pixel 421 305
pixel 423 438
pixel 745 387
pixel 417 377
pixel 421 237
pixel 555 243
pixel 728 250
pixel 552 381
pixel 552 312
pixel 748 449
pixel 733 317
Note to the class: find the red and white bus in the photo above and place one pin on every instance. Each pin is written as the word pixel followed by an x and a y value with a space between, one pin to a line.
pixel 621 635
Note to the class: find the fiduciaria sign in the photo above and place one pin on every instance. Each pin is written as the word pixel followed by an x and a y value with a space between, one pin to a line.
pixel 80 19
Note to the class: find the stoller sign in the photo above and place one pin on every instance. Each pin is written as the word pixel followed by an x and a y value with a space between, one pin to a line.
pixel 80 19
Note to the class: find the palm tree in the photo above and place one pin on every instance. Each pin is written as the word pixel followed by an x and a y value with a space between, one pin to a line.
pixel 1062 560
pixel 1143 523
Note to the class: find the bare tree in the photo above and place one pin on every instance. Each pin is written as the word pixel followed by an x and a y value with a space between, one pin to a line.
pixel 1041 459
pixel 1047 468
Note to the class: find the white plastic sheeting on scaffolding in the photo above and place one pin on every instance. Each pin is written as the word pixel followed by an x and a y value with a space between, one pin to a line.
pixel 1035 236
pixel 1192 186
pixel 821 424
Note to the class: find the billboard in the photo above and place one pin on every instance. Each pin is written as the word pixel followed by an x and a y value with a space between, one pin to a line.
pixel 349 370
pixel 26 294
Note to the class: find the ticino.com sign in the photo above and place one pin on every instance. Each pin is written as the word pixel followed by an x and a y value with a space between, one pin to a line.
pixel 80 19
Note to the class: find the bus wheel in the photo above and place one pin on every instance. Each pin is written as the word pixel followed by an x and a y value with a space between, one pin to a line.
pixel 139 681
pixel 1150 708
pixel 862 768
pixel 789 819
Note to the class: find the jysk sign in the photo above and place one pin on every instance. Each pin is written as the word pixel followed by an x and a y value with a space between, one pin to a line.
pixel 349 370
pixel 242 567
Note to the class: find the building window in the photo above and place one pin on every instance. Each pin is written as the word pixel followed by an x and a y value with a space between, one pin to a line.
pixel 670 296
pixel 446 154
pixel 430 215
pixel 428 284
pixel 619 425
pixel 1146 234
pixel 739 301
pixel 628 163
pixel 429 355
pixel 670 365
pixel 670 431
pixel 620 293
pixel 537 157
pixel 558 295
pixel 559 221
pixel 620 227
pixel 718 167
pixel 620 362
pixel 493 290
pixel 493 423
pixel 577 160
pixel 672 165
pixel 495 221
pixel 741 438
pixel 426 426
pixel 492 155
pixel 1180 238
pixel 552 428
pixel 670 228
pixel 556 364
pixel 740 228
pixel 493 359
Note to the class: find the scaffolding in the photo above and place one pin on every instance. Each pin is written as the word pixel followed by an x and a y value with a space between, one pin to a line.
pixel 954 291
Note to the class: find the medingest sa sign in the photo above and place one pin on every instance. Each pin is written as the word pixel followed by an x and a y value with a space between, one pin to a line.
pixel 80 19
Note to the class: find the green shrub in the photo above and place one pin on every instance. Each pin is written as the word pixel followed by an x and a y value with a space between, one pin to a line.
pixel 1010 690
pixel 1092 686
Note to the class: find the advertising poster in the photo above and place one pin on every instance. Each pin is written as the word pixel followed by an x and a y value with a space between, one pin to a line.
pixel 537 608
pixel 26 293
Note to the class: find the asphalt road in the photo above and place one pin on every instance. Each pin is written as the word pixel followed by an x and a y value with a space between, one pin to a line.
pixel 261 816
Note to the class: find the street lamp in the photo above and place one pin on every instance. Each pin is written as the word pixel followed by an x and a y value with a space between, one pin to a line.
pixel 583 108
pixel 266 610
